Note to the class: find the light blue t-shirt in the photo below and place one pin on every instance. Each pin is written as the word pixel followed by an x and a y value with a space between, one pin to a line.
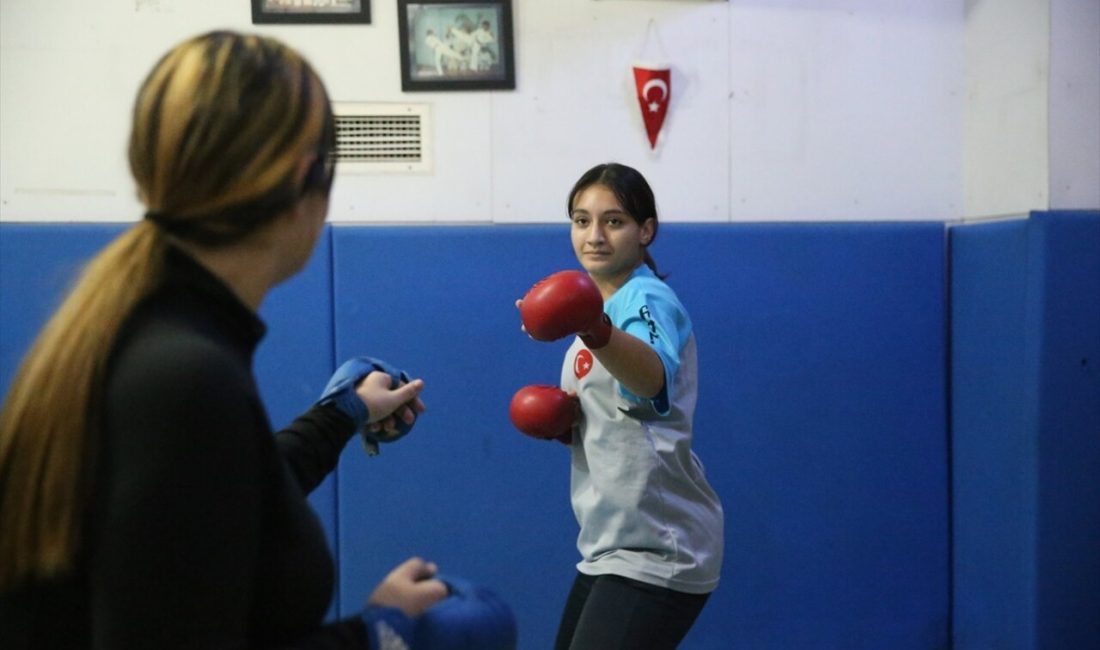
pixel 639 493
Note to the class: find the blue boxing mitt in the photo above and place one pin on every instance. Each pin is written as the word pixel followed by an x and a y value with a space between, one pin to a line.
pixel 470 618
pixel 340 393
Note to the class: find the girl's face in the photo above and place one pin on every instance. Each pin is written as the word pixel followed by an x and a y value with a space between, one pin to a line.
pixel 608 242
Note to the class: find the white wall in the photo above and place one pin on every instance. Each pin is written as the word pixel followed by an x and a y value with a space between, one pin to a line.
pixel 1075 104
pixel 782 109
pixel 1005 166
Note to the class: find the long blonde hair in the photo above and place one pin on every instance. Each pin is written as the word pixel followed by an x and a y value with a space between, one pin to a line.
pixel 220 126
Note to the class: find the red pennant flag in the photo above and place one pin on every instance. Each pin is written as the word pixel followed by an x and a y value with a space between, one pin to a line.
pixel 654 89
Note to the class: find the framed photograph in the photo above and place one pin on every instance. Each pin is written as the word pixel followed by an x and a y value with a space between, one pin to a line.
pixel 310 12
pixel 456 45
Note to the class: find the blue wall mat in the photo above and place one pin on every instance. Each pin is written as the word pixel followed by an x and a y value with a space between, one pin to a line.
pixel 1068 553
pixel 821 418
pixel 464 488
pixel 38 263
pixel 993 419
pixel 1026 431
pixel 294 361
pixel 821 421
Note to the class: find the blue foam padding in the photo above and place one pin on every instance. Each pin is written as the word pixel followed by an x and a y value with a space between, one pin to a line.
pixel 821 421
pixel 821 417
pixel 1068 551
pixel 39 262
pixel 464 489
pixel 1026 432
pixel 992 423
pixel 38 265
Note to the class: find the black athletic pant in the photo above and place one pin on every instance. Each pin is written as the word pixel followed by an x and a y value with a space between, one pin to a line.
pixel 615 613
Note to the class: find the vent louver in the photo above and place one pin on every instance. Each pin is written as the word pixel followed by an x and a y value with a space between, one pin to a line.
pixel 382 138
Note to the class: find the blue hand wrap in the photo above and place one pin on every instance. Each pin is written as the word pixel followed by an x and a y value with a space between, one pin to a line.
pixel 471 618
pixel 388 628
pixel 340 393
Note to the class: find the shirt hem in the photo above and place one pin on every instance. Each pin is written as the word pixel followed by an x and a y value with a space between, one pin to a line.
pixel 688 587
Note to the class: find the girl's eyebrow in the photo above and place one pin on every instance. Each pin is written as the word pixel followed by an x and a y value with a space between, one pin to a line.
pixel 612 213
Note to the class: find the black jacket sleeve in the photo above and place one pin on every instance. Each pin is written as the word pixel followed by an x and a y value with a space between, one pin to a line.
pixel 311 445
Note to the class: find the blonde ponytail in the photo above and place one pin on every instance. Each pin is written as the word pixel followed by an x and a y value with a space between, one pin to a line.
pixel 219 128
pixel 52 409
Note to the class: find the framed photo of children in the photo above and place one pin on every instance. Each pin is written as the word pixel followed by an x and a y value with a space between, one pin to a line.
pixel 456 45
pixel 310 12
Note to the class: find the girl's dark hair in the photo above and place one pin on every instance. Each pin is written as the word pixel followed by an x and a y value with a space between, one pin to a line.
pixel 633 192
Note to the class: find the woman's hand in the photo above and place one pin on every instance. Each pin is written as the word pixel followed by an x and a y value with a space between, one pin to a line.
pixel 410 588
pixel 385 404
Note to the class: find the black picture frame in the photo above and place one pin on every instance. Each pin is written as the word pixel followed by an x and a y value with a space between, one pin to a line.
pixel 324 12
pixel 456 45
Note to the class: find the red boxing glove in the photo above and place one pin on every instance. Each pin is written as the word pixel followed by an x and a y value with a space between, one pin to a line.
pixel 544 412
pixel 567 302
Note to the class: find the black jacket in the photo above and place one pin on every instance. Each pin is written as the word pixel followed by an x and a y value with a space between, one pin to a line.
pixel 198 533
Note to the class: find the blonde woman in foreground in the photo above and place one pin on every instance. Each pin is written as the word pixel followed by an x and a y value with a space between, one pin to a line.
pixel 144 501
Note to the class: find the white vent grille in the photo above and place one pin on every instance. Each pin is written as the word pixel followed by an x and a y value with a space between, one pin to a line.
pixel 382 138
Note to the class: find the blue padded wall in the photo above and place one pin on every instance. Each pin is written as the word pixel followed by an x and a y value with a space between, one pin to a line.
pixel 1068 549
pixel 464 489
pixel 821 421
pixel 992 461
pixel 38 263
pixel 821 418
pixel 1026 432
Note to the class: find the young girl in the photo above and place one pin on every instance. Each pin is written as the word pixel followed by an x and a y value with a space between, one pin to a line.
pixel 650 525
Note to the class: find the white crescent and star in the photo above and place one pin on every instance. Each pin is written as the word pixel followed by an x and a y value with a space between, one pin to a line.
pixel 582 363
pixel 660 84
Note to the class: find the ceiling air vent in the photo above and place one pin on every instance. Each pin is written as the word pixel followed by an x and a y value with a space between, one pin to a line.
pixel 380 137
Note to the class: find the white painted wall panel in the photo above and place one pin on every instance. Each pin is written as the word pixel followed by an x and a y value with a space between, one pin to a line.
pixel 782 109
pixel 576 107
pixel 846 110
pixel 1075 104
pixel 1005 165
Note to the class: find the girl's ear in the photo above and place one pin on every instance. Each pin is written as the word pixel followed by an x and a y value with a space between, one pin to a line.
pixel 647 231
